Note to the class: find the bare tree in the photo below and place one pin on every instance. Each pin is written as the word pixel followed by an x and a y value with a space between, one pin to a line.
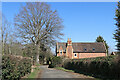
pixel 37 23
pixel 0 35
pixel 4 32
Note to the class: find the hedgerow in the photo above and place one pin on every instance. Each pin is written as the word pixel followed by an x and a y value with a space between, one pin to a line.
pixel 14 67
pixel 103 67
pixel 55 62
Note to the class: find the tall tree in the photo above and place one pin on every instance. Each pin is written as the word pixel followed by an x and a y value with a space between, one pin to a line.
pixel 37 23
pixel 100 39
pixel 5 32
pixel 117 31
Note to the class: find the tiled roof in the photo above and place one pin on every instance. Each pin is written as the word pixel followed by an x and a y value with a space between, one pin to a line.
pixel 97 47
pixel 63 45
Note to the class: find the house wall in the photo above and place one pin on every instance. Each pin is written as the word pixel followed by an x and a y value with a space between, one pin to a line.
pixel 69 52
pixel 59 53
pixel 82 55
pixel 69 49
pixel 89 55
pixel 61 49
pixel 63 54
pixel 77 57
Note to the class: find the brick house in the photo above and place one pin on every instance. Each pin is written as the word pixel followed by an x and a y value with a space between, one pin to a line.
pixel 75 50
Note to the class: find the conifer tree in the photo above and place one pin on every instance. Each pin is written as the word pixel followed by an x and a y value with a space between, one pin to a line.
pixel 117 31
pixel 100 39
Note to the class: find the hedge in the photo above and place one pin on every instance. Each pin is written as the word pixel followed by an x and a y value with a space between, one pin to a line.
pixel 55 62
pixel 15 67
pixel 102 67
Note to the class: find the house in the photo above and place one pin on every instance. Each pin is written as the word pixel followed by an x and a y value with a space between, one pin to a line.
pixel 76 50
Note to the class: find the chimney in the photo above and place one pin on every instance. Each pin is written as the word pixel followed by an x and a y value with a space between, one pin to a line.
pixel 69 42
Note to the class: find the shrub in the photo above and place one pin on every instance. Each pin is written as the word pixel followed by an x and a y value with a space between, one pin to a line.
pixel 14 67
pixel 55 62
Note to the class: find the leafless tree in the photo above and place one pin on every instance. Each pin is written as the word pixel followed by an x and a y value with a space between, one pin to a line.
pixel 4 32
pixel 0 36
pixel 37 23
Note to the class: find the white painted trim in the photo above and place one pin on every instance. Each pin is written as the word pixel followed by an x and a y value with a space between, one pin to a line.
pixel 74 54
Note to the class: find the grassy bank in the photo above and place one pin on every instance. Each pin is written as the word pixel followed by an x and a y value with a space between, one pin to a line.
pixel 35 72
pixel 61 68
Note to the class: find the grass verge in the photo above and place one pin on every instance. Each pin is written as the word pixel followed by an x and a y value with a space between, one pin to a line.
pixel 35 72
pixel 60 68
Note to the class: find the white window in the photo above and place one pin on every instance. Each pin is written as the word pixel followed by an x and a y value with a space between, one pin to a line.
pixel 60 52
pixel 75 55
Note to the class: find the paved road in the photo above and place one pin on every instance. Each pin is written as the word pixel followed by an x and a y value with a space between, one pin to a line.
pixel 54 73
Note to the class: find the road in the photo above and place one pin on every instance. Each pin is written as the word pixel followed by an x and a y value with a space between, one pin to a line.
pixel 54 73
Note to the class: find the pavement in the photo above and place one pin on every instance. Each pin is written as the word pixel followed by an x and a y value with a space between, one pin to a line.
pixel 55 73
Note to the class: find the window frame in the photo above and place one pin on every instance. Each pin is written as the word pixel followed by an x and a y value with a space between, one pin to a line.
pixel 60 52
pixel 85 49
pixel 75 54
pixel 93 49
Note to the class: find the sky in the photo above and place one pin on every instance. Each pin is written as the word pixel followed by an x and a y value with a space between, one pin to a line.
pixel 83 21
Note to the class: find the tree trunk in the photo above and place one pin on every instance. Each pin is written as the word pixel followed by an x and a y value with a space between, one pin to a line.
pixel 37 56
pixel 2 45
pixel 9 50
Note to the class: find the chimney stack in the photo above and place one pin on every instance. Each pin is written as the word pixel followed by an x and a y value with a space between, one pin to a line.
pixel 69 42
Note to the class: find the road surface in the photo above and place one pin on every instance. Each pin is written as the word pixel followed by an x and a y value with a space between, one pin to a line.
pixel 54 73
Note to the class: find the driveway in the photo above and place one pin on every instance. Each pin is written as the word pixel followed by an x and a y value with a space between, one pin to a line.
pixel 54 73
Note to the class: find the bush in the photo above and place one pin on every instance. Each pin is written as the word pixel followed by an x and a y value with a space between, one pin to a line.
pixel 15 67
pixel 105 67
pixel 55 62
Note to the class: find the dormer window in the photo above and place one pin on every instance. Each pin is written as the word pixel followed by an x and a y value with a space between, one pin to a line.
pixel 85 49
pixel 93 49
